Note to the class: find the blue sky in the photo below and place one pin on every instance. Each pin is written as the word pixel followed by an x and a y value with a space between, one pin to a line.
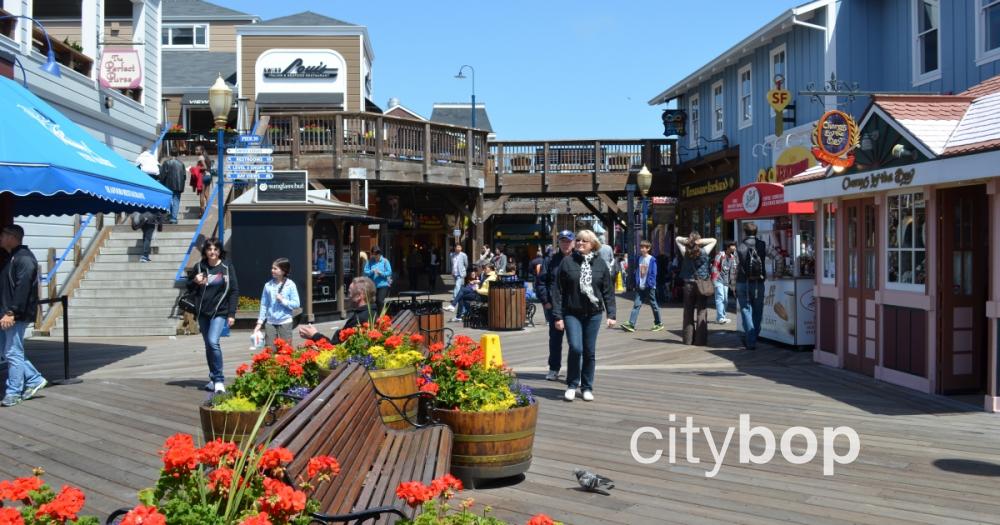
pixel 546 69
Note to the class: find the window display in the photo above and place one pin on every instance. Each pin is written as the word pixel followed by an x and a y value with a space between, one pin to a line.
pixel 907 237
pixel 829 242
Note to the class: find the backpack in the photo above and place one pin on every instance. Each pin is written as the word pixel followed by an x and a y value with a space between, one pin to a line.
pixel 755 265
pixel 136 220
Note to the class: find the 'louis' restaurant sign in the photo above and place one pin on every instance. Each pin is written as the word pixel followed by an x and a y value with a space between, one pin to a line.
pixel 297 68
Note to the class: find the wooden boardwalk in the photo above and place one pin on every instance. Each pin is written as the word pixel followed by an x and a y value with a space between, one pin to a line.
pixel 923 459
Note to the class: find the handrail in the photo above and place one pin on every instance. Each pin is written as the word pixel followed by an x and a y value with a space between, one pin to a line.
pixel 55 267
pixel 194 238
pixel 156 145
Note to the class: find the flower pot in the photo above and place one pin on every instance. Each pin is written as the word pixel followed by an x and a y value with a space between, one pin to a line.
pixel 233 426
pixel 396 382
pixel 490 445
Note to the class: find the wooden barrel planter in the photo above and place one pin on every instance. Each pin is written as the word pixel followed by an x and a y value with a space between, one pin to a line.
pixel 396 382
pixel 431 325
pixel 490 445
pixel 233 426
pixel 507 308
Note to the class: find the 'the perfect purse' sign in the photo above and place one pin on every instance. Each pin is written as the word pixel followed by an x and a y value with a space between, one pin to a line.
pixel 286 186
pixel 121 68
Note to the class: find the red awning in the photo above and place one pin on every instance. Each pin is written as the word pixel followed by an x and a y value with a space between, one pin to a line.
pixel 760 200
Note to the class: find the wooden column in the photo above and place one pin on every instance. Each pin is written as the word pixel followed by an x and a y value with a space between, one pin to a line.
pixel 477 241
pixel 338 228
pixel 427 150
pixel 379 144
pixel 597 165
pixel 76 245
pixel 338 144
pixel 545 166
pixel 296 143
pixel 307 304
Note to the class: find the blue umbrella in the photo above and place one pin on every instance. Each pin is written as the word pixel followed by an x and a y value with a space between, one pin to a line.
pixel 53 167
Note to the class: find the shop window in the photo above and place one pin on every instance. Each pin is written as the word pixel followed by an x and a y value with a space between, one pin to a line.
pixel 907 236
pixel 694 117
pixel 829 243
pixel 718 107
pixel 926 40
pixel 987 31
pixel 779 64
pixel 746 96
pixel 185 36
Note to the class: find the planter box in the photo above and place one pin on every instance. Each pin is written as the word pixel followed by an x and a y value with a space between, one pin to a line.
pixel 396 382
pixel 233 426
pixel 490 445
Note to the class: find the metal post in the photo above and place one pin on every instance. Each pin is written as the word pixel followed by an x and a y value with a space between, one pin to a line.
pixel 473 102
pixel 630 234
pixel 645 217
pixel 222 186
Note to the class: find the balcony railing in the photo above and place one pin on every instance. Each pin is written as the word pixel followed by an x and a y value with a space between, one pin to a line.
pixel 379 137
pixel 592 156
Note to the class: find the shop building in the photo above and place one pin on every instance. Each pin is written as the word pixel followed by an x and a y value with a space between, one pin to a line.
pixel 908 282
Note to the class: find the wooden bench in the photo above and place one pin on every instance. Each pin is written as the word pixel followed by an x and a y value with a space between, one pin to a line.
pixel 340 418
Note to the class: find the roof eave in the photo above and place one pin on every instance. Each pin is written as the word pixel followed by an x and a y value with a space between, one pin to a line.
pixel 737 51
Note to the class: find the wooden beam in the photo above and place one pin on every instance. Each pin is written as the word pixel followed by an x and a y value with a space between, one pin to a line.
pixel 494 207
pixel 610 203
pixel 593 209
pixel 461 207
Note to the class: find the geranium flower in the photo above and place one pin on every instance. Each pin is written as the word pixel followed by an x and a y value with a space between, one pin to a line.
pixel 218 452
pixel 540 519
pixel 427 370
pixel 259 519
pixel 281 501
pixel 18 489
pixel 274 458
pixel 64 507
pixel 446 485
pixel 295 370
pixel 346 333
pixel 220 479
pixel 436 347
pixel 414 493
pixel 460 375
pixel 375 334
pixel 180 456
pixel 242 369
pixel 394 341
pixel 143 515
pixel 431 388
pixel 10 516
pixel 264 355
pixel 417 339
pixel 323 465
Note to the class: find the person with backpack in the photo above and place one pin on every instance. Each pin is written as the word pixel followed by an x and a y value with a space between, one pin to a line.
pixel 149 222
pixel 277 303
pixel 696 269
pixel 750 278
pixel 172 176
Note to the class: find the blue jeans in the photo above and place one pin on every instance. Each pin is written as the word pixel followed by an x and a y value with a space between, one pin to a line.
pixel 555 342
pixel 211 331
pixel 458 287
pixel 721 299
pixel 750 298
pixel 20 372
pixel 642 295
pixel 581 332
pixel 175 207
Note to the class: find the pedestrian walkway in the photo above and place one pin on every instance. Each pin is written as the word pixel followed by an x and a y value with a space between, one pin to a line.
pixel 923 459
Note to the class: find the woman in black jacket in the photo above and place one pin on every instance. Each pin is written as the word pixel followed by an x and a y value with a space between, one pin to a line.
pixel 582 291
pixel 218 296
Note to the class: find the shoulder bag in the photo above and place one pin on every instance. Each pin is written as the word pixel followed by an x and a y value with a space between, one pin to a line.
pixel 705 287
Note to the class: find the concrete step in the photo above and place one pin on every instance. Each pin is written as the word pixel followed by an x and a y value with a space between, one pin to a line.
pixel 158 301
pixel 137 250
pixel 122 323
pixel 104 293
pixel 76 330
pixel 158 243
pixel 160 283
pixel 158 236
pixel 174 258
pixel 137 313
pixel 157 265
pixel 100 274
pixel 166 228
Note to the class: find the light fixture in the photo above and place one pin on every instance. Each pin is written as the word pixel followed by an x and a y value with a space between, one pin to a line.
pixel 220 98
pixel 899 151
pixel 644 179
pixel 838 169
pixel 50 66
pixel 108 101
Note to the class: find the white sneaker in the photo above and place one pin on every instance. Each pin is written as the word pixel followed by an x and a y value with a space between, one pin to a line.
pixel 570 394
pixel 552 376
pixel 725 321
pixel 588 395
pixel 456 319
pixel 220 388
pixel 210 386
pixel 449 308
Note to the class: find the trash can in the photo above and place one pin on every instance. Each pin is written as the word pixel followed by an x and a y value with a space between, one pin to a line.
pixel 507 305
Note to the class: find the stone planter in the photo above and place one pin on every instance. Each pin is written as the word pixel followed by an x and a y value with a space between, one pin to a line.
pixel 490 445
pixel 396 382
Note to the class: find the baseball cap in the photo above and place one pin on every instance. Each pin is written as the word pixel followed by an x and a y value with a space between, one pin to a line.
pixel 566 234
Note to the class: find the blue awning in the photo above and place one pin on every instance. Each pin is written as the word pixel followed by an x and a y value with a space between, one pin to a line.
pixel 53 167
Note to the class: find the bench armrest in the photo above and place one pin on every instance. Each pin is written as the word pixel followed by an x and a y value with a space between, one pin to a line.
pixel 357 517
pixel 115 517
pixel 426 397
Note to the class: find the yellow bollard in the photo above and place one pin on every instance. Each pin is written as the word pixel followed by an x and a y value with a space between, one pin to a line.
pixel 490 343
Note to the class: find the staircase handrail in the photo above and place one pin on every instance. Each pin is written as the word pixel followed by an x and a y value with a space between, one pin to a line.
pixel 156 145
pixel 47 278
pixel 194 238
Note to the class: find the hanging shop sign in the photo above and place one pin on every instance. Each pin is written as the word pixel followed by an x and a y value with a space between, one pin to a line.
pixel 880 180
pixel 779 98
pixel 285 186
pixel 759 200
pixel 706 187
pixel 834 139
pixel 674 122
pixel 121 68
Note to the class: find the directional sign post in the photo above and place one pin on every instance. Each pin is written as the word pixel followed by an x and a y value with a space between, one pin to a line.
pixel 249 161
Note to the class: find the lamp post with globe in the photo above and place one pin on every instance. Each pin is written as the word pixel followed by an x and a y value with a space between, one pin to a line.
pixel 220 98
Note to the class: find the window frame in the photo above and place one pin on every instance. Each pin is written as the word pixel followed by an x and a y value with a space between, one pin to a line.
pixel 775 51
pixel 830 233
pixel 983 55
pixel 194 32
pixel 694 108
pixel 887 249
pixel 744 122
pixel 718 112
pixel 920 77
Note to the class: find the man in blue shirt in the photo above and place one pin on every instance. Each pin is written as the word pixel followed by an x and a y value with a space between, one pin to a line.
pixel 379 271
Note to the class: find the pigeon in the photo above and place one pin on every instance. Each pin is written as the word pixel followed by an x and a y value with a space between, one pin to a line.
pixel 593 482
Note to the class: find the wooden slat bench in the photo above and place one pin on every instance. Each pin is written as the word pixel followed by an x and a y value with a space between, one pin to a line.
pixel 340 418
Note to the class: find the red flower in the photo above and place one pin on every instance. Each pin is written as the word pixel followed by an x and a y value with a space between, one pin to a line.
pixel 431 388
pixel 218 452
pixel 437 347
pixel 220 479
pixel 445 484
pixel 427 370
pixel 10 516
pixel 461 376
pixel 242 369
pixel 274 458
pixel 264 355
pixel 346 333
pixel 18 489
pixel 376 335
pixel 421 381
pixel 281 501
pixel 416 339
pixel 143 515
pixel 64 507
pixel 260 519
pixel 384 322
pixel 540 519
pixel 180 456
pixel 393 341
pixel 463 340
pixel 437 356
pixel 295 370
pixel 414 493
pixel 325 465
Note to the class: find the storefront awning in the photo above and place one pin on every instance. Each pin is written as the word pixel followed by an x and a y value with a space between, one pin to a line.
pixel 760 200
pixel 301 100
pixel 56 168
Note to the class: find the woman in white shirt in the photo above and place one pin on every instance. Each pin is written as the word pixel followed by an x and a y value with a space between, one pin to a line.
pixel 279 299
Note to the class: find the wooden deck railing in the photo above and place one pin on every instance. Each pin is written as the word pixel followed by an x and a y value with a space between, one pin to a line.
pixel 573 156
pixel 376 136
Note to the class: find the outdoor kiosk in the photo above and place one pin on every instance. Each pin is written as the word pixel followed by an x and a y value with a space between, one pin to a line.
pixel 789 231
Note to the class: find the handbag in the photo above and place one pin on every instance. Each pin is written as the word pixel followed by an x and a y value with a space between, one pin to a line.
pixel 186 302
pixel 705 287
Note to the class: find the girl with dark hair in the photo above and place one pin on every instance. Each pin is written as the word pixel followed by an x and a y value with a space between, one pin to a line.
pixel 696 265
pixel 217 298
pixel 279 298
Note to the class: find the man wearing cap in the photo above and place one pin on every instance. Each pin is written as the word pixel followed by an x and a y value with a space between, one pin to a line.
pixel 18 302
pixel 543 283
pixel 379 270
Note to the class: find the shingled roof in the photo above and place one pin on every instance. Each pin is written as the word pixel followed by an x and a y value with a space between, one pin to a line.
pixel 306 18
pixel 189 71
pixel 457 114
pixel 199 9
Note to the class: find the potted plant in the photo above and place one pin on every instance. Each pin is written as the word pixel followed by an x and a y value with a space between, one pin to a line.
pixel 492 415
pixel 176 132
pixel 39 504
pixel 281 374
pixel 225 484
pixel 436 509
pixel 390 359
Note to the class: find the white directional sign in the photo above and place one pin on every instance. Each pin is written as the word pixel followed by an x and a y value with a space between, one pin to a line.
pixel 255 159
pixel 249 163
pixel 249 151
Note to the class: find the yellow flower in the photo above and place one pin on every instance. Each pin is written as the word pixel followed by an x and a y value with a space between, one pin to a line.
pixel 376 351
pixel 323 358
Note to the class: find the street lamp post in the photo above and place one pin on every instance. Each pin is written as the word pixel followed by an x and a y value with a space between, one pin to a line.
pixel 220 98
pixel 461 76
pixel 644 179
